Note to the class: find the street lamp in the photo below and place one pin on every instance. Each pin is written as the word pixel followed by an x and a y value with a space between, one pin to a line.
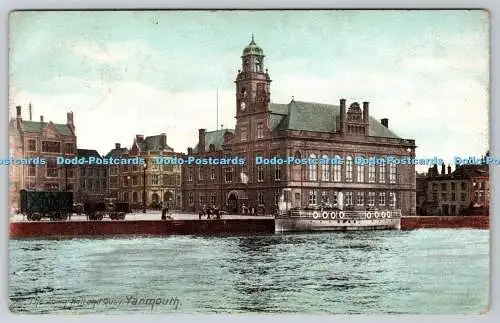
pixel 144 167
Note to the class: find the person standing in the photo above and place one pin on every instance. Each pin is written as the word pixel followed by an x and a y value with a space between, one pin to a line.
pixel 163 212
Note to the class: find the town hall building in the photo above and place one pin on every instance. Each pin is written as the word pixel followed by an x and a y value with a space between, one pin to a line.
pixel 303 130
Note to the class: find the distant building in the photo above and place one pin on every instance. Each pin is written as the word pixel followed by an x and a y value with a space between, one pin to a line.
pixel 92 179
pixel 48 140
pixel 457 192
pixel 163 182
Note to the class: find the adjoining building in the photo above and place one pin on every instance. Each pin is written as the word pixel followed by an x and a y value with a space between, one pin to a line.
pixel 92 178
pixel 46 140
pixel 299 129
pixel 150 182
pixel 456 193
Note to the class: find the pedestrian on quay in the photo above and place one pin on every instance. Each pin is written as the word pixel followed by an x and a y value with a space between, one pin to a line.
pixel 163 212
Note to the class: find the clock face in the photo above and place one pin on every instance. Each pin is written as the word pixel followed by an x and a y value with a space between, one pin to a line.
pixel 243 106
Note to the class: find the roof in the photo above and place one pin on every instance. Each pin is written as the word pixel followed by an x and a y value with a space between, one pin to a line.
pixel 464 172
pixel 253 49
pixel 37 126
pixel 87 153
pixel 318 117
pixel 117 152
pixel 154 143
pixel 215 137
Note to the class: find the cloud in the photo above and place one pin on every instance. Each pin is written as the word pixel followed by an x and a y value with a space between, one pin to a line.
pixel 111 52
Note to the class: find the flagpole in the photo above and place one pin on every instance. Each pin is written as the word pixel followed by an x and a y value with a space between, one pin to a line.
pixel 217 99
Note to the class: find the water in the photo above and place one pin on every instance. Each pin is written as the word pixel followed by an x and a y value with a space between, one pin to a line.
pixel 376 272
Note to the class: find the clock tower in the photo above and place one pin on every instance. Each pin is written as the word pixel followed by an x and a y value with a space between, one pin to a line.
pixel 252 82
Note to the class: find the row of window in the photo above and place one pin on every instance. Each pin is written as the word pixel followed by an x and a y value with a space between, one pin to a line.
pixel 259 134
pixel 115 170
pixel 313 173
pixel 452 197
pixel 90 185
pixel 353 198
pixel 51 146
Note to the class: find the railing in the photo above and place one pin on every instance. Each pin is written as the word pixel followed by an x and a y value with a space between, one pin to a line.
pixel 343 215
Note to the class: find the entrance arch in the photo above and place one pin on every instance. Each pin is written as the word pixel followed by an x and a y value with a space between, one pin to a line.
pixel 232 202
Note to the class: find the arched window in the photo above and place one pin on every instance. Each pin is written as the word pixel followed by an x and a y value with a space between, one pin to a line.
pixel 392 173
pixel 313 168
pixel 337 169
pixel 260 130
pixel 348 169
pixel 371 173
pixel 325 169
pixel 360 172
pixel 381 173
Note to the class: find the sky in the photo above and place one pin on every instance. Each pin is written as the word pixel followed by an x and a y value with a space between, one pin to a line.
pixel 124 73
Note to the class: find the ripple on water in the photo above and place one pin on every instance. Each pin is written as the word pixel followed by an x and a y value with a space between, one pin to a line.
pixel 391 272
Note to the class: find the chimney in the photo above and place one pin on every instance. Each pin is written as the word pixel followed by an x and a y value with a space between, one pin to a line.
pixel 449 169
pixel 41 118
pixel 443 170
pixel 385 122
pixel 117 145
pixel 69 118
pixel 18 112
pixel 342 116
pixel 435 169
pixel 366 117
pixel 190 151
pixel 163 140
pixel 201 140
pixel 30 110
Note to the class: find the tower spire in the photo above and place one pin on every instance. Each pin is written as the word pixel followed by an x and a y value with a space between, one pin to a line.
pixel 253 41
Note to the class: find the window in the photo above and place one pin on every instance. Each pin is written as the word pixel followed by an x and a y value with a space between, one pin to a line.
pixel 464 186
pixel 51 169
pixel 434 186
pixel 260 130
pixel 190 174
pixel 135 181
pixel 32 171
pixel 434 196
pixel 462 197
pixel 371 173
pixel 392 173
pixel 69 187
pixel 277 173
pixel 190 198
pixel 125 180
pixel 392 199
pixel 155 180
pixel 312 197
pixel 444 186
pixel 361 173
pixel 313 169
pixel 381 199
pixel 260 174
pixel 32 145
pixel 381 174
pixel 212 173
pixel 325 169
pixel 200 174
pixel 453 196
pixel 51 146
pixel 348 198
pixel 360 198
pixel 68 148
pixel 444 196
pixel 70 171
pixel 201 199
pixel 229 175
pixel 337 170
pixel 371 198
pixel 453 186
pixel 244 133
pixel 260 198
pixel 335 199
pixel 348 169
pixel 212 198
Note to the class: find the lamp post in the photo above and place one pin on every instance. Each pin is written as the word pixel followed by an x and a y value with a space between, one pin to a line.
pixel 144 167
